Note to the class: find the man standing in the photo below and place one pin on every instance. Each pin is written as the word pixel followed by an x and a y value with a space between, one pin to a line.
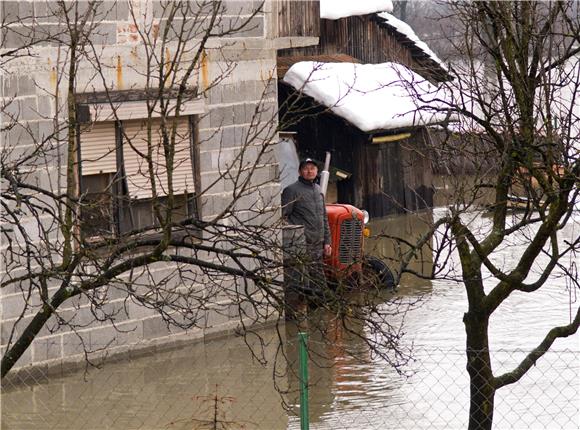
pixel 303 204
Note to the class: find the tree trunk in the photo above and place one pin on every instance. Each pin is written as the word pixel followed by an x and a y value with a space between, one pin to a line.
pixel 481 386
pixel 13 354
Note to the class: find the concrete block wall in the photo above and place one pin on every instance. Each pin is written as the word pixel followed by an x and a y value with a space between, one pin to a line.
pixel 242 102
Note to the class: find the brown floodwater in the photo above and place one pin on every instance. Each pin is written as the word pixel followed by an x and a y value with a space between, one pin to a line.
pixel 219 384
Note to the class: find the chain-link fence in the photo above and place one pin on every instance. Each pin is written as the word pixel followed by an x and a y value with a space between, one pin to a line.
pixel 221 385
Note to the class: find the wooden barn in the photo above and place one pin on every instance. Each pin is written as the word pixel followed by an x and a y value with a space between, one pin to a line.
pixel 372 38
pixel 384 170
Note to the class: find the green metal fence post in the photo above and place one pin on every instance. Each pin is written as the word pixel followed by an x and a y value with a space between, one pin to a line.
pixel 304 423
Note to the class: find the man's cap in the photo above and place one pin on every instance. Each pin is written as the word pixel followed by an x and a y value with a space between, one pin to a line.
pixel 306 161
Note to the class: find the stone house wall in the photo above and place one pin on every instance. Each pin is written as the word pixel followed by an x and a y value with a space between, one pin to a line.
pixel 28 84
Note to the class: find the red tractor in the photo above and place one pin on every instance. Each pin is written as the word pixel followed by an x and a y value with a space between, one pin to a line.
pixel 348 229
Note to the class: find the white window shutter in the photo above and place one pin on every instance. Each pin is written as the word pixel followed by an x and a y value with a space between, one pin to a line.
pixel 135 145
pixel 98 149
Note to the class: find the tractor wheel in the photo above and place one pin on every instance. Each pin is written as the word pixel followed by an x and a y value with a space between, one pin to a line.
pixel 378 273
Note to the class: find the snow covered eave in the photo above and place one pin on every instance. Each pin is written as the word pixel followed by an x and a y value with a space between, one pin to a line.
pixel 337 9
pixel 419 49
pixel 441 123
pixel 374 98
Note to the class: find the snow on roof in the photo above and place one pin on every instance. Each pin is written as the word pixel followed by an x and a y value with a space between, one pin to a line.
pixel 336 9
pixel 370 96
pixel 406 30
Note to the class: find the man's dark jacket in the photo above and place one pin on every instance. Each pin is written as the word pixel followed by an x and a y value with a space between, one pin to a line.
pixel 303 204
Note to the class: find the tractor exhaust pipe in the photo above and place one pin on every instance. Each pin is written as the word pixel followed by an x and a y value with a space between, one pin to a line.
pixel 325 174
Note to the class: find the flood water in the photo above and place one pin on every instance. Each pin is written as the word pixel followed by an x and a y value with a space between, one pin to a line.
pixel 217 384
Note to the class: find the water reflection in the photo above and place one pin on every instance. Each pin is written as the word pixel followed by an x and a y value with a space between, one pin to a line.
pixel 181 389
pixel 345 384
pixel 390 250
pixel 336 355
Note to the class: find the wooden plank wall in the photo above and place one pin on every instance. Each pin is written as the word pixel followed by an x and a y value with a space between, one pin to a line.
pixel 395 177
pixel 416 165
pixel 364 38
pixel 298 18
pixel 381 179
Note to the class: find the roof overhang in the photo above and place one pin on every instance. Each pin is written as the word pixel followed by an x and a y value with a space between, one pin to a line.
pixel 284 63
pixel 432 66
pixel 377 99
pixel 136 104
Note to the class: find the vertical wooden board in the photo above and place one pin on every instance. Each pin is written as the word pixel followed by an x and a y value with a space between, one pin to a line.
pixel 417 172
pixel 409 173
pixel 298 18
pixel 393 182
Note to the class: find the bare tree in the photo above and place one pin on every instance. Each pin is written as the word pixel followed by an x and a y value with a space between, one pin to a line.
pixel 515 94
pixel 101 232
pixel 400 9
pixel 105 210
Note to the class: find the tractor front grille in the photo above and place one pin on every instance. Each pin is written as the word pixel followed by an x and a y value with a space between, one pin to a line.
pixel 350 241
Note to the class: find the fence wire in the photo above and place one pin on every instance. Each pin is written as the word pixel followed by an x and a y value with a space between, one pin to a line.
pixel 221 385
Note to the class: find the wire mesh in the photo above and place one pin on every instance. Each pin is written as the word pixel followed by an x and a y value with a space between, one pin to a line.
pixel 221 385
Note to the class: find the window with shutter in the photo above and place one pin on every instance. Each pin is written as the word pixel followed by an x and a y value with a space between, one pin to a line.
pixel 113 202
